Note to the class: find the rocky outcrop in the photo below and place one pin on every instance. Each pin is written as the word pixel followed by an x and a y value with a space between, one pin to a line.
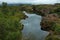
pixel 48 22
pixel 51 23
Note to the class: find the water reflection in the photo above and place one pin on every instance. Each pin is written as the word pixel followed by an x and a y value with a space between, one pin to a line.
pixel 32 29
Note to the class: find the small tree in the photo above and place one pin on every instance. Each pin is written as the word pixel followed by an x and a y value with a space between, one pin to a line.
pixel 4 8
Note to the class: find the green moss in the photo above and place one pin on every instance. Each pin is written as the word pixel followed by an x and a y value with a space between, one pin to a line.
pixel 57 28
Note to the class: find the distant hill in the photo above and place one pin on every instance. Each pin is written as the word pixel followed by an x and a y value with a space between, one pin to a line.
pixel 18 4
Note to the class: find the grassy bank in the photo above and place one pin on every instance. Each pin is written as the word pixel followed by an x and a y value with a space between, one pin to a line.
pixel 10 26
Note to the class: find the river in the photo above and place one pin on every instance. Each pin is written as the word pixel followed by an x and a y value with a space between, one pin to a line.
pixel 32 29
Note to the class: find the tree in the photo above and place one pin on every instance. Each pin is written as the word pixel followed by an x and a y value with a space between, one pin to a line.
pixel 4 4
pixel 4 8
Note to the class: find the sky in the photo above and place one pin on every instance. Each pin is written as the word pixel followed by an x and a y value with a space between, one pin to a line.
pixel 32 1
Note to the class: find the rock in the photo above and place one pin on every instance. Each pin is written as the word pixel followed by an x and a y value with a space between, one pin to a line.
pixel 48 22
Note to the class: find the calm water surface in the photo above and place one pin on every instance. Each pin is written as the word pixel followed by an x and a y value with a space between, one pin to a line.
pixel 32 29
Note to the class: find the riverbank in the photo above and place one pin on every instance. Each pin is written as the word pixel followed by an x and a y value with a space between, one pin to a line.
pixel 50 19
pixel 10 26
pixel 51 23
